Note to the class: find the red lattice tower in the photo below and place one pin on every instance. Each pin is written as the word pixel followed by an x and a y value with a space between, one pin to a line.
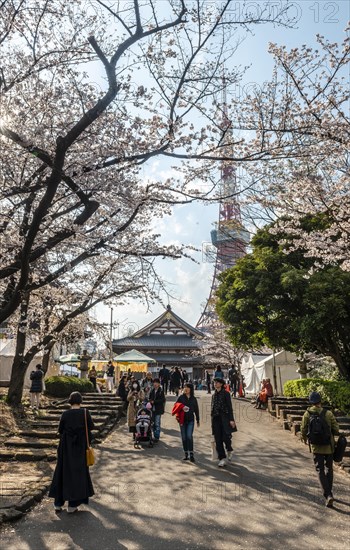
pixel 229 237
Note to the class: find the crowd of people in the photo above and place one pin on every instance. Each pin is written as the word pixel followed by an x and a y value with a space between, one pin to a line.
pixel 144 402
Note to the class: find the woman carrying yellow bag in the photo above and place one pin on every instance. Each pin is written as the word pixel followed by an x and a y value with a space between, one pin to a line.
pixel 71 480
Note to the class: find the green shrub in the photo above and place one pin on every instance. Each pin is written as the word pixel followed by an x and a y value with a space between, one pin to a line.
pixel 62 386
pixel 336 393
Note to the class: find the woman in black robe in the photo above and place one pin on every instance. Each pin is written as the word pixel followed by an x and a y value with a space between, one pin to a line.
pixel 71 479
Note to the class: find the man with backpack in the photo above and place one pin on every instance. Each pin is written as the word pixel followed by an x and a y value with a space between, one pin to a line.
pixel 318 427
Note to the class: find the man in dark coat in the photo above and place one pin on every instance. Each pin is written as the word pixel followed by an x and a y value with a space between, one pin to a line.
pixel 222 421
pixel 176 380
pixel 157 399
pixel 71 479
pixel 164 375
pixel 208 381
pixel 110 377
pixel 233 379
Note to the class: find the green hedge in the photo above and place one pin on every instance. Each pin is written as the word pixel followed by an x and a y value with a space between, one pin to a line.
pixel 62 386
pixel 336 393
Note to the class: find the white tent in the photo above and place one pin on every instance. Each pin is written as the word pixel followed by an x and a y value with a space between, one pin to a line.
pixel 7 353
pixel 254 369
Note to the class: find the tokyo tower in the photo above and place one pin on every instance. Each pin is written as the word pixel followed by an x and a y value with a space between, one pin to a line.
pixel 229 237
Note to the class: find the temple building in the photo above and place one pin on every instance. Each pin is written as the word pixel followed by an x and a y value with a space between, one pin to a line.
pixel 169 340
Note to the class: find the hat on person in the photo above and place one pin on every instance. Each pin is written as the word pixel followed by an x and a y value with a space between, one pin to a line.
pixel 220 380
pixel 314 397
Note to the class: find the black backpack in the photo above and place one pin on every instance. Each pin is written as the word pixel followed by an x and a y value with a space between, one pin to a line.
pixel 340 447
pixel 319 431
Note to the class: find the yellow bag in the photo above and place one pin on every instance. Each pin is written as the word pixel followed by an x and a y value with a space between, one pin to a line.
pixel 90 457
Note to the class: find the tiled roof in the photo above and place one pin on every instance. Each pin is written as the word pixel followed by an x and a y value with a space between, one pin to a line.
pixel 156 342
pixel 170 315
pixel 174 358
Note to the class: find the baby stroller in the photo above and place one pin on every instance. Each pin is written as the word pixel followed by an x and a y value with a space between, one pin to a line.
pixel 144 426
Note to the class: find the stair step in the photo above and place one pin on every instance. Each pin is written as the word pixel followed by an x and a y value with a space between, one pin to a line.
pixel 23 455
pixel 38 434
pixel 27 442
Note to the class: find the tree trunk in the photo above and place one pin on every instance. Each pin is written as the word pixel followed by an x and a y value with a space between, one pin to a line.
pixel 19 365
pixel 46 358
pixel 342 362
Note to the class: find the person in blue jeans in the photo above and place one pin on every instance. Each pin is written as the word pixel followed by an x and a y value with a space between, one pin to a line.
pixel 191 411
pixel 157 399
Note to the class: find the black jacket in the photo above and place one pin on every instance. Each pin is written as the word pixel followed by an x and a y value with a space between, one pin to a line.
pixel 192 403
pixel 110 370
pixel 36 377
pixel 227 404
pixel 122 392
pixel 158 398
pixel 71 479
pixel 176 379
pixel 164 374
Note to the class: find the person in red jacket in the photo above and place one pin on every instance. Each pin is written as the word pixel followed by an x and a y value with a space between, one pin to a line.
pixel 188 412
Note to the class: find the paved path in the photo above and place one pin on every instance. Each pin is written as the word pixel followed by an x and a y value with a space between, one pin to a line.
pixel 148 499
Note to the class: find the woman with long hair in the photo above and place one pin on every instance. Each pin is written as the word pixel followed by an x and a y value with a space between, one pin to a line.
pixel 187 406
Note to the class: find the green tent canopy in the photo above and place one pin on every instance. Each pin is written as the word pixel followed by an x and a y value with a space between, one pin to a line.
pixel 133 356
pixel 71 358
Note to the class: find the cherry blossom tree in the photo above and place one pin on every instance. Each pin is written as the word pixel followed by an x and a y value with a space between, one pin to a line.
pixel 301 118
pixel 76 140
pixel 217 349
pixel 90 93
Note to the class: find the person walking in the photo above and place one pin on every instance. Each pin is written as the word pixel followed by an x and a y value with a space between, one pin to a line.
pixel 134 398
pixel 233 380
pixel 110 377
pixel 122 391
pixel 36 388
pixel 191 412
pixel 71 479
pixel 218 372
pixel 147 384
pixel 93 376
pixel 222 421
pixel 318 428
pixel 157 400
pixel 208 381
pixel 164 375
pixel 176 380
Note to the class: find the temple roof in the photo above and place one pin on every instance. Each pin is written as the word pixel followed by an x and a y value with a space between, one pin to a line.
pixel 157 341
pixel 168 323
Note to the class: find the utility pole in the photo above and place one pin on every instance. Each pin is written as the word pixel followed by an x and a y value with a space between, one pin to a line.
pixel 111 336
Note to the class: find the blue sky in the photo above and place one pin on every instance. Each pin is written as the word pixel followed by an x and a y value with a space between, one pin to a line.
pixel 191 224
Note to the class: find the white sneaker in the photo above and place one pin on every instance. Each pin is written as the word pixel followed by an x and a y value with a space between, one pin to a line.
pixel 72 509
pixel 222 463
pixel 230 456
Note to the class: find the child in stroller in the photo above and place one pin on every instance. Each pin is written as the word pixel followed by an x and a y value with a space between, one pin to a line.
pixel 144 425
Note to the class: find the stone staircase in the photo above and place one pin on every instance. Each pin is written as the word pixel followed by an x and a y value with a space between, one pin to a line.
pixel 289 412
pixel 40 440
pixel 35 446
